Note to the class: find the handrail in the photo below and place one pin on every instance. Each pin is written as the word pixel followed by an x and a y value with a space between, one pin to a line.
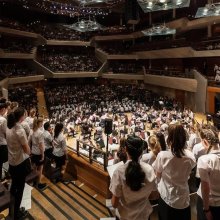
pixel 90 150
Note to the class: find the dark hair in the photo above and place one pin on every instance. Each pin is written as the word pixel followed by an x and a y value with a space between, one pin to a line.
pixel 3 103
pixel 46 125
pixel 15 116
pixel 121 153
pixel 161 139
pixel 177 139
pixel 134 174
pixel 58 128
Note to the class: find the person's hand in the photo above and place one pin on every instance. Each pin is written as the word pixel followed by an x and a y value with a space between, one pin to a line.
pixel 208 215
pixel 42 159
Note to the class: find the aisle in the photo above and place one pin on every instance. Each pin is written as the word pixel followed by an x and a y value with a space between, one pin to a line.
pixel 42 109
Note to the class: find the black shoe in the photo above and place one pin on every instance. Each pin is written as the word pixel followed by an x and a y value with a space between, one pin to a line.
pixel 42 186
pixel 22 213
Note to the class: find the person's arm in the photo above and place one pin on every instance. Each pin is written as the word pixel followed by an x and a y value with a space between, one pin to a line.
pixel 205 197
pixel 41 147
pixel 154 195
pixel 26 149
pixel 203 167
pixel 22 138
pixel 115 201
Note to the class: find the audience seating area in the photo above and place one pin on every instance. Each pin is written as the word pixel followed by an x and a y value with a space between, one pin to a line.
pixel 15 69
pixel 15 45
pixel 69 59
pixel 25 96
pixel 63 100
pixel 173 72
pixel 125 67
pixel 53 31
pixel 116 47
pixel 161 44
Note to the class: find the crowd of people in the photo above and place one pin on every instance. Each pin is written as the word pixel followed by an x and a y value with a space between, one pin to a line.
pixel 26 143
pixel 59 31
pixel 157 138
pixel 15 45
pixel 15 69
pixel 173 72
pixel 25 96
pixel 116 48
pixel 159 142
pixel 69 59
pixel 125 67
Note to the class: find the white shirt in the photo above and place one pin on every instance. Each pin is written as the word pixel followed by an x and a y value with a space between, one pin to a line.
pixel 148 158
pixel 198 150
pixel 192 140
pixel 26 127
pixel 16 138
pixel 208 168
pixel 47 139
pixel 3 126
pixel 133 204
pixel 37 138
pixel 30 121
pixel 113 147
pixel 173 185
pixel 59 145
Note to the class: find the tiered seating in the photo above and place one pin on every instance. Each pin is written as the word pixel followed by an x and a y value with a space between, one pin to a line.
pixel 28 94
pixel 15 45
pixel 124 67
pixel 69 59
pixel 162 44
pixel 15 69
pixel 173 72
pixel 115 47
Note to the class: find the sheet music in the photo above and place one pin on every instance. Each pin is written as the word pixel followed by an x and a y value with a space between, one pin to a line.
pixel 26 199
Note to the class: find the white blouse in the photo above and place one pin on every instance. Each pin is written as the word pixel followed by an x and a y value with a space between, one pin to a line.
pixel 3 126
pixel 59 146
pixel 37 138
pixel 208 168
pixel 148 158
pixel 133 204
pixel 16 138
pixel 173 185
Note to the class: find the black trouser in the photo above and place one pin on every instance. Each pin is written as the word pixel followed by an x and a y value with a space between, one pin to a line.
pixel 166 212
pixel 3 157
pixel 48 153
pixel 18 176
pixel 201 215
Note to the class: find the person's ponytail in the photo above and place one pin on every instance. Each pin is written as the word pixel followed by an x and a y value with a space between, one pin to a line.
pixel 11 120
pixel 134 174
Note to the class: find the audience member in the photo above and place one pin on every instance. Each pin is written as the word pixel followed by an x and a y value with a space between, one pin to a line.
pixel 18 158
pixel 59 147
pixel 173 169
pixel 208 168
pixel 133 183
pixel 36 141
pixel 3 126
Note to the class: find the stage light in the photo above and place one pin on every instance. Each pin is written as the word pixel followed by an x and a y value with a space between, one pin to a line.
pixel 159 29
pixel 84 25
pixel 212 9
pixel 159 5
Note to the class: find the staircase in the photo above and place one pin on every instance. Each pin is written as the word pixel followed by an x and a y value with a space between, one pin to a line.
pixel 42 108
pixel 67 201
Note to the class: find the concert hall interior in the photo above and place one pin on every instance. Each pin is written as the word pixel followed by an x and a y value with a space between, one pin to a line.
pixel 110 109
